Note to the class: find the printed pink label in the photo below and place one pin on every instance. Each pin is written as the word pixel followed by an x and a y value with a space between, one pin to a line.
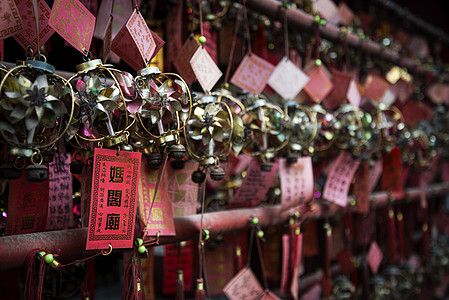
pixel 74 22
pixel 296 182
pixel 319 85
pixel 183 192
pixel 28 36
pixel 113 199
pixel 287 79
pixel 161 218
pixel 134 43
pixel 182 61
pixel 60 203
pixel 339 179
pixel 27 206
pixel 252 74
pixel 243 286
pixel 375 257
pixel 205 69
pixel 10 19
pixel 255 185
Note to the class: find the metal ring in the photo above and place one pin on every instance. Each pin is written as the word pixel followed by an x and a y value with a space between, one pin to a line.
pixel 107 252
pixel 40 157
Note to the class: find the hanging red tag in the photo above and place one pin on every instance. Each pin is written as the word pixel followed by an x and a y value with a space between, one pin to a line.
pixel 171 265
pixel 161 220
pixel 285 262
pixel 86 191
pixel 374 174
pixel 340 178
pixel 319 85
pixel 310 239
pixel 269 296
pixel 255 185
pixel 415 112
pixel 296 182
pixel 361 189
pixel 205 69
pixel 252 74
pixel 346 13
pixel 243 286
pixel 392 172
pixel 27 206
pixel 219 270
pixel 74 22
pixel 28 36
pixel 182 190
pixel 341 81
pixel 182 60
pixel 11 21
pixel 346 261
pixel 60 204
pixel 113 199
pixel 375 87
pixel 375 257
pixel 296 265
pixel 134 43
pixel 271 249
pixel 147 264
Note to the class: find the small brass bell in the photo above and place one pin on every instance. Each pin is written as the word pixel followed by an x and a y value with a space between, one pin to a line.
pixel 266 167
pixel 177 151
pixel 177 164
pixel 36 173
pixel 76 167
pixel 8 171
pixel 292 158
pixel 198 176
pixel 154 160
pixel 217 173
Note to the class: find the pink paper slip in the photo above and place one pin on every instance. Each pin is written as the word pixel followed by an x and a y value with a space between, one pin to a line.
pixel 182 191
pixel 10 19
pixel 340 178
pixel 28 35
pixel 375 87
pixel 74 22
pixel 113 199
pixel 375 257
pixel 182 61
pixel 27 206
pixel 243 286
pixel 255 185
pixel 438 93
pixel 161 218
pixel 319 85
pixel 296 182
pixel 353 94
pixel 252 74
pixel 205 69
pixel 60 203
pixel 287 79
pixel 134 43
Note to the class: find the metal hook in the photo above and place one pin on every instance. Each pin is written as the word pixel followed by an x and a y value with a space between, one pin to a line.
pixel 107 252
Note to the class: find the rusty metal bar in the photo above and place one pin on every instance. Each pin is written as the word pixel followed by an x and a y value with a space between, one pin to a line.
pixel 301 21
pixel 71 243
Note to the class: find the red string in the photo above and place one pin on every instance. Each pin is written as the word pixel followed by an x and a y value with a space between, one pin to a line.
pixel 317 41
pixel 262 265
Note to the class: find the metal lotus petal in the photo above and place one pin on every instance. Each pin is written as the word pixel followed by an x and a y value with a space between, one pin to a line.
pixel 41 81
pixel 31 121
pixel 126 83
pixel 19 112
pixel 94 84
pixel 40 111
pixel 212 109
pixel 57 106
pixel 175 105
pixel 199 111
pixel 6 105
pixel 155 116
pixel 218 134
pixel 222 115
pixel 80 86
pixel 30 135
pixel 24 82
pixel 48 119
pixel 239 129
pixel 6 127
pixel 206 137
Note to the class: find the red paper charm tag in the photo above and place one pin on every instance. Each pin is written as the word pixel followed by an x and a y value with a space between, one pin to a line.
pixel 113 199
pixel 27 206
pixel 319 85
pixel 375 87
pixel 161 218
pixel 74 22
pixel 205 69
pixel 171 265
pixel 255 185
pixel 287 79
pixel 341 83
pixel 182 61
pixel 269 296
pixel 296 182
pixel 294 286
pixel 10 19
pixel 219 269
pixel 339 179
pixel 392 172
pixel 252 74
pixel 134 43
pixel 361 189
pixel 182 191
pixel 60 204
pixel 375 257
pixel 243 286
pixel 28 35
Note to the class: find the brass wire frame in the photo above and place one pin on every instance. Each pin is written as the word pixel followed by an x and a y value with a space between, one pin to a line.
pixel 60 134
pixel 349 109
pixel 98 69
pixel 272 149
pixel 309 112
pixel 175 132
pixel 228 146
